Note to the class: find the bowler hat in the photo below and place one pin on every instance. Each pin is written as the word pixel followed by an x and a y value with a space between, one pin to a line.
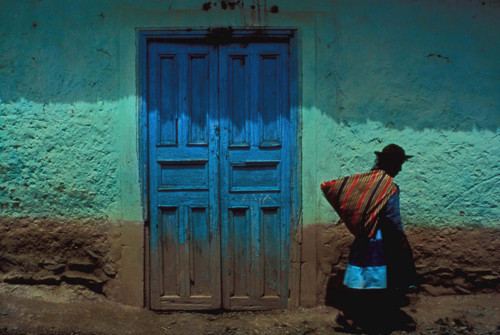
pixel 393 151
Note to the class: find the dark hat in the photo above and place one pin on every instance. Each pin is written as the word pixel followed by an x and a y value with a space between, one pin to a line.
pixel 393 151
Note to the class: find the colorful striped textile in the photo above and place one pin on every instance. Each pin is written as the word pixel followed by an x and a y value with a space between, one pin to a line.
pixel 358 199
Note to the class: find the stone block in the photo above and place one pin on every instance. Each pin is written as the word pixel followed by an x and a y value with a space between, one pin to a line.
pixel 462 290
pixel 77 276
pixel 46 277
pixel 109 270
pixel 56 268
pixel 81 264
pixel 7 262
pixel 438 290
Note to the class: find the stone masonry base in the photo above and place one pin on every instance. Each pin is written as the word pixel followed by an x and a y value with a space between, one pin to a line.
pixel 450 261
pixel 108 258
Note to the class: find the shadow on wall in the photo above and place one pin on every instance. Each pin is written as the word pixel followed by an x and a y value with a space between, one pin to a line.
pixel 409 65
pixel 416 65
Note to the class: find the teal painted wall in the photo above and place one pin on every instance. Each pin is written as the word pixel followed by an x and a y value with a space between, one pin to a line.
pixel 423 75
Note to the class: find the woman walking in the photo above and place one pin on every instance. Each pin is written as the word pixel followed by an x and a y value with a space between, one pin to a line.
pixel 380 266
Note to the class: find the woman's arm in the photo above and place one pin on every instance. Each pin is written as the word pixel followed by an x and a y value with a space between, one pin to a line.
pixel 392 214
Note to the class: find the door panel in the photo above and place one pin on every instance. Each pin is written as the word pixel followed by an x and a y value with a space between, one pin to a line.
pixel 183 170
pixel 255 179
pixel 219 175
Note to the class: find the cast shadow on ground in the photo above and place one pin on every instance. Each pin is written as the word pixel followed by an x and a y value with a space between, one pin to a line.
pixel 383 319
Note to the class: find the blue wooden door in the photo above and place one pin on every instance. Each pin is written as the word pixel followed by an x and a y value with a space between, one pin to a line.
pixel 255 175
pixel 183 176
pixel 219 175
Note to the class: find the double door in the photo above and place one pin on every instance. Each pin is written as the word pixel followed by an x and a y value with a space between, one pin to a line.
pixel 219 174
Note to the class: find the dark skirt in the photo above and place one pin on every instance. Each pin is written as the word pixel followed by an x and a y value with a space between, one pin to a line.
pixel 383 262
pixel 378 273
pixel 401 272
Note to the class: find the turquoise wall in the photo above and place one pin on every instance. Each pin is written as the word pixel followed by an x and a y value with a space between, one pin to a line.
pixel 424 75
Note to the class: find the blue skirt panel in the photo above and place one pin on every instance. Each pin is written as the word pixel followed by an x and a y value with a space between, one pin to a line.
pixel 367 268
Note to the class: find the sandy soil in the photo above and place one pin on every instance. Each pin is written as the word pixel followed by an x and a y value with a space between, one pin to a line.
pixel 68 309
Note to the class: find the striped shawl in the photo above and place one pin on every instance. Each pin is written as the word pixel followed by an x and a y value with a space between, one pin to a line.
pixel 358 199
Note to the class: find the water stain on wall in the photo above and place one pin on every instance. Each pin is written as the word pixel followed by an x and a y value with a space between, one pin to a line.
pixel 257 11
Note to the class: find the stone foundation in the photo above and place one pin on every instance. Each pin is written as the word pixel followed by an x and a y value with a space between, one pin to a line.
pixel 450 261
pixel 106 257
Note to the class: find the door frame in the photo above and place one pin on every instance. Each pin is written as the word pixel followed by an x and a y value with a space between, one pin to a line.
pixel 218 35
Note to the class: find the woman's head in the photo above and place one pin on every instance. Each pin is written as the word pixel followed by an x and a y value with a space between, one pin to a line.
pixel 391 159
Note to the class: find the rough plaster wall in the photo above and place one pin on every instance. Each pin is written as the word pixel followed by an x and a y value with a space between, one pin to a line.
pixel 420 74
pixel 58 114
pixel 51 165
pixel 68 153
pixel 68 127
pixel 423 75
pixel 68 98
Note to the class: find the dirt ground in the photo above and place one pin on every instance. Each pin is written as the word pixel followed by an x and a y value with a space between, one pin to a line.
pixel 69 309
